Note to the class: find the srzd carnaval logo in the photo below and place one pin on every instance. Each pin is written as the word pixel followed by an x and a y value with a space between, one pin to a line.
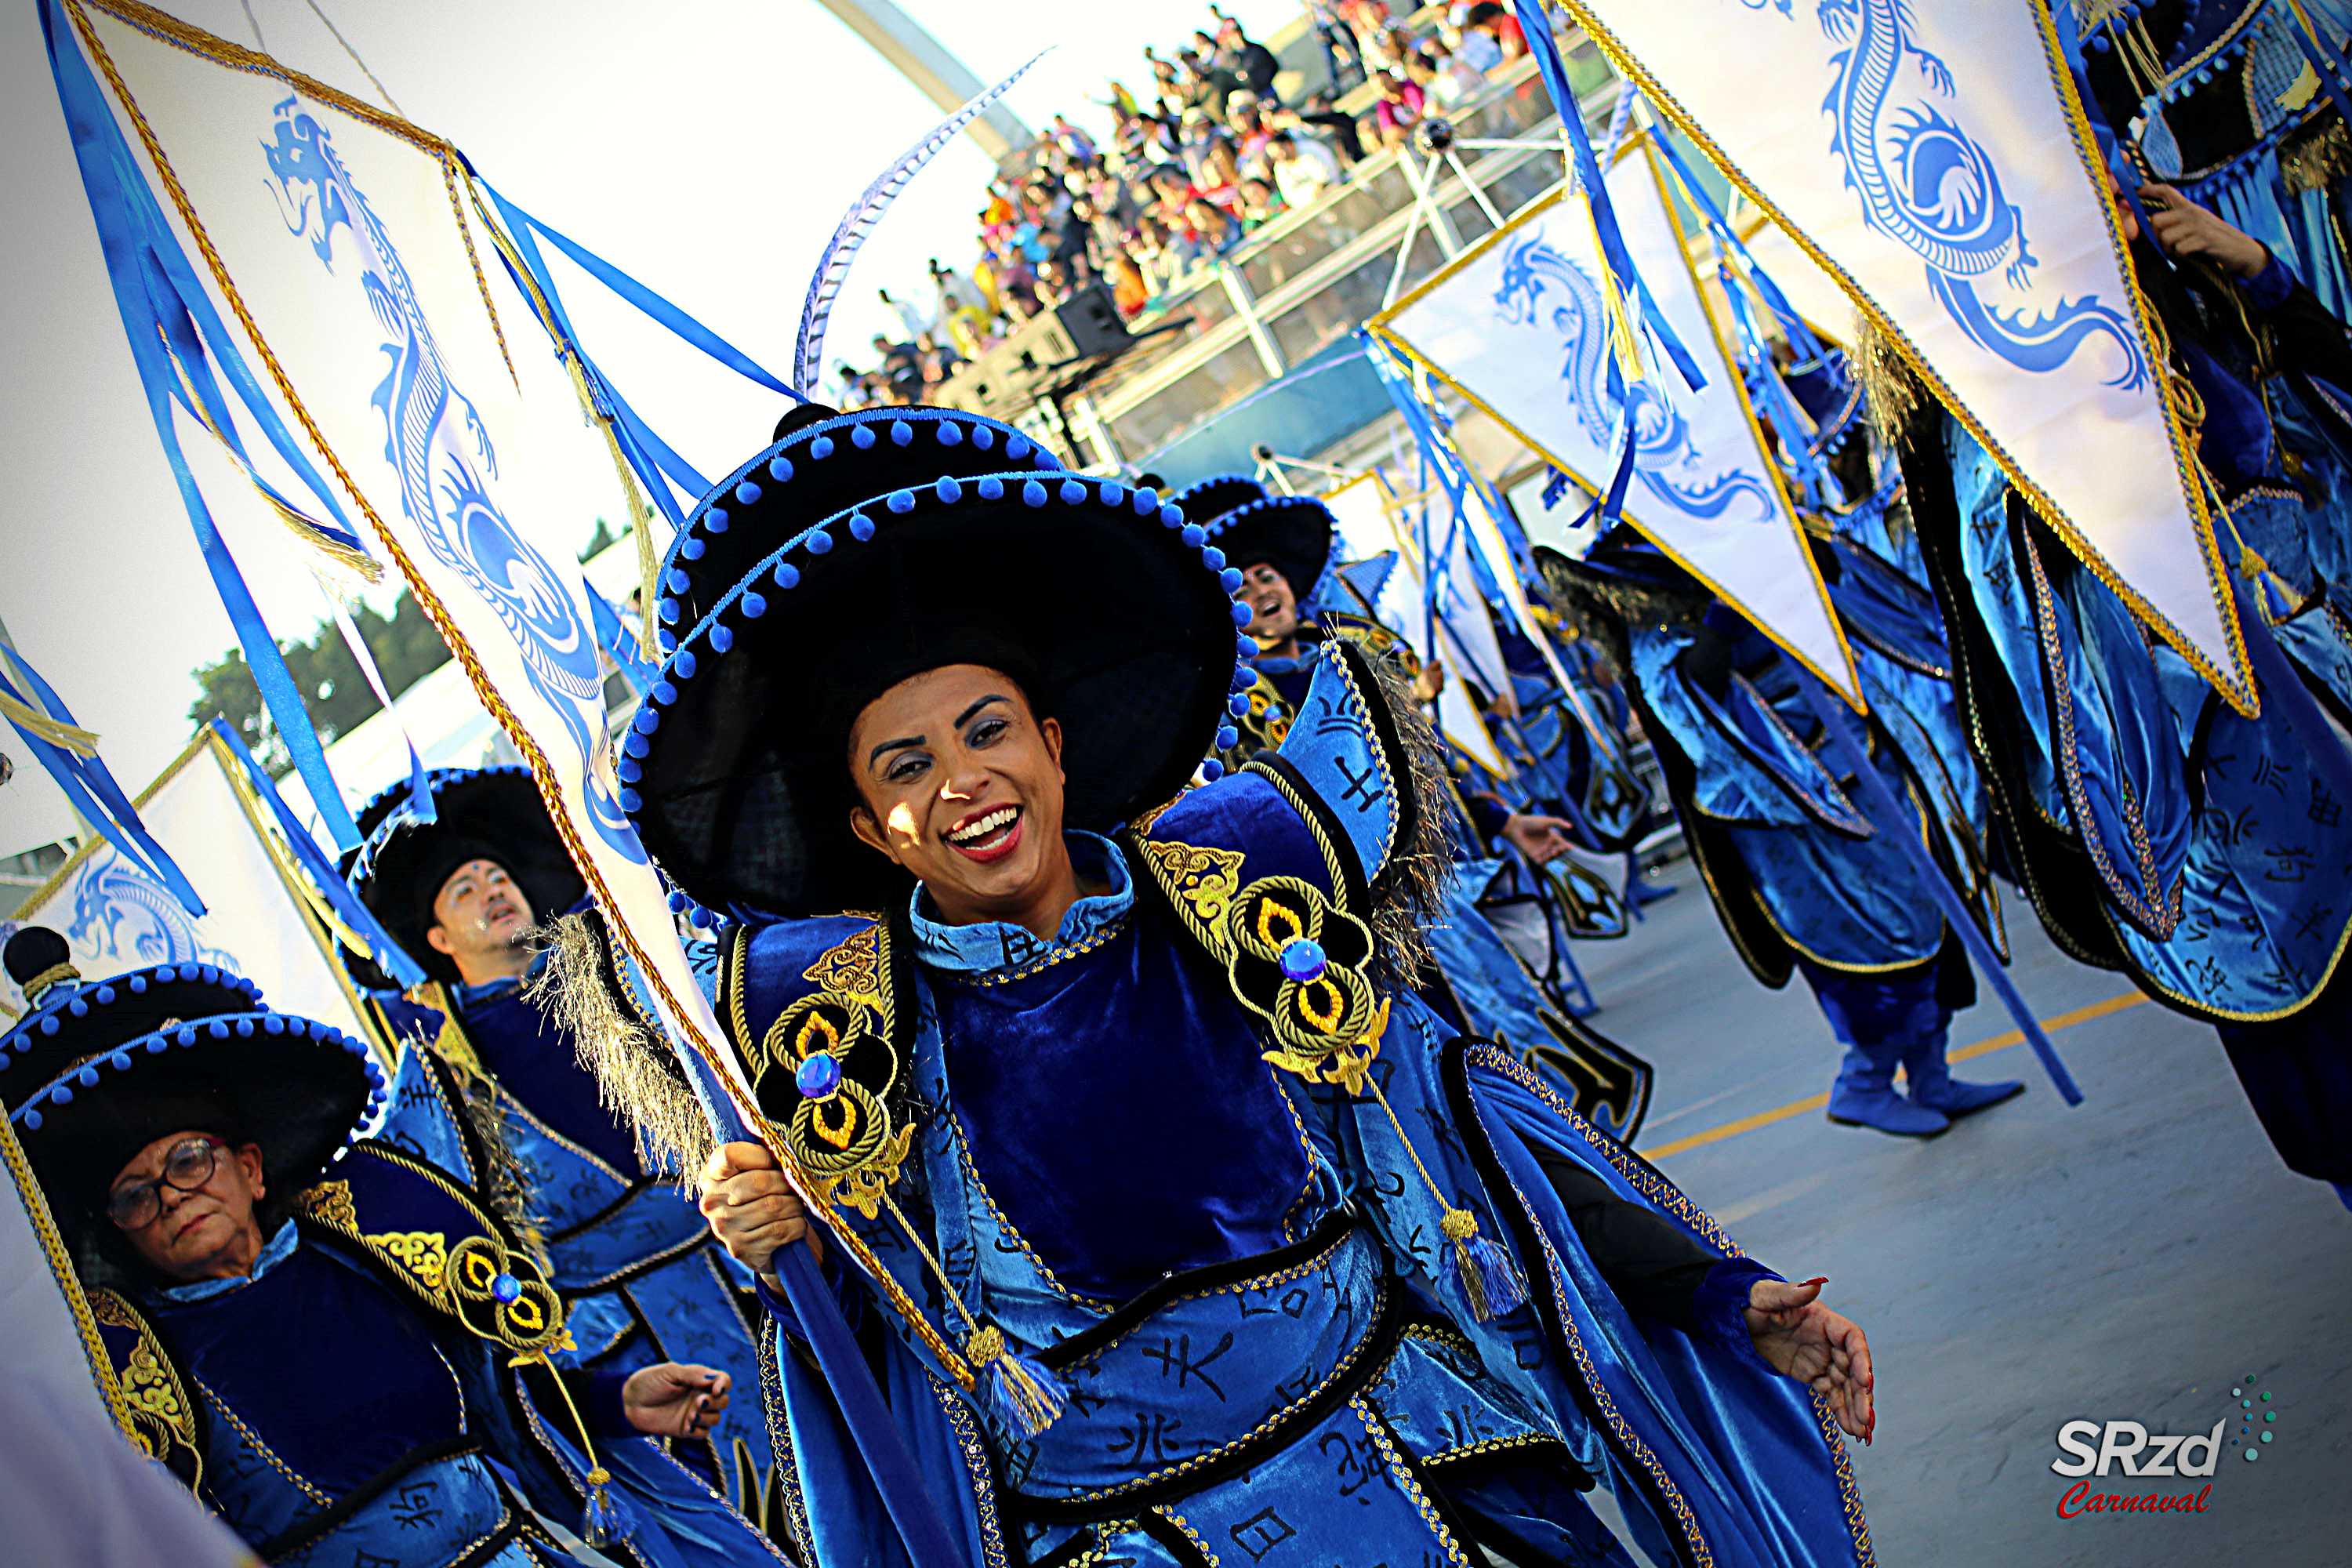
pixel 2094 1451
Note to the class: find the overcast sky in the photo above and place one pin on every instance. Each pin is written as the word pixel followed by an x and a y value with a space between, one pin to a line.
pixel 643 131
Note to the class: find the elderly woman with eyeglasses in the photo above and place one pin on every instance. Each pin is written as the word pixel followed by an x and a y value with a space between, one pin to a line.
pixel 345 1351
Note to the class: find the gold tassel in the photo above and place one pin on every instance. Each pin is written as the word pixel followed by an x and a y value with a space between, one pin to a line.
pixel 73 738
pixel 634 1076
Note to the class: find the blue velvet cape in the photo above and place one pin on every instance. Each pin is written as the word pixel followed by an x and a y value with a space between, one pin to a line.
pixel 1309 1371
pixel 643 1279
pixel 2224 862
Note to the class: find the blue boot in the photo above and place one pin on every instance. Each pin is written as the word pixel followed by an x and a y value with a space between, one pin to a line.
pixel 1864 1096
pixel 1932 1084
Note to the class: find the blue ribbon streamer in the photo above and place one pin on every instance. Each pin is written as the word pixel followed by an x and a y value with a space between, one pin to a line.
pixel 879 1442
pixel 1887 816
pixel 147 269
pixel 650 303
pixel 321 871
pixel 651 459
pixel 618 642
pixel 1537 25
pixel 90 788
pixel 2111 152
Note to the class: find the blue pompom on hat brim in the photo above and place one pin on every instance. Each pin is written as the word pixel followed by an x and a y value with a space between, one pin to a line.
pixel 881 545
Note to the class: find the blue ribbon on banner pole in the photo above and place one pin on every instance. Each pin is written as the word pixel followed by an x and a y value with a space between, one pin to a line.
pixel 613 635
pixel 319 871
pixel 649 303
pixel 1536 24
pixel 839 1358
pixel 90 788
pixel 2126 178
pixel 1887 816
pixel 656 464
pixel 160 298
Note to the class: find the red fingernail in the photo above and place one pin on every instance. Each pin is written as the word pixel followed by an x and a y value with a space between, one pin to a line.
pixel 1816 1279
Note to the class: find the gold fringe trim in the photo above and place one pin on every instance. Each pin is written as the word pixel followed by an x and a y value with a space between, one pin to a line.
pixel 1891 389
pixel 2315 159
pixel 1412 895
pixel 635 1075
pixel 505 1186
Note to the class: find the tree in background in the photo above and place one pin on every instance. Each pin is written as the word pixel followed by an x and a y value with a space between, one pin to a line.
pixel 406 649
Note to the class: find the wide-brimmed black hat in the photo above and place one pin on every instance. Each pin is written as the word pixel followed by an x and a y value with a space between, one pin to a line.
pixel 1296 535
pixel 861 549
pixel 494 814
pixel 1206 500
pixel 98 1069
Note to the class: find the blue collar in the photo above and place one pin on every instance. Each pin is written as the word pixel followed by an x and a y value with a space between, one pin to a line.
pixel 997 949
pixel 466 995
pixel 1311 648
pixel 274 1251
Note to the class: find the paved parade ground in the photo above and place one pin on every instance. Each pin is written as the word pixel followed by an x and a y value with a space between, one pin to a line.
pixel 2134 1258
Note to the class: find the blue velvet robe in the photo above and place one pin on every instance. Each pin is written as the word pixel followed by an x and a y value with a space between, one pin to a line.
pixel 341 1423
pixel 643 1279
pixel 1837 891
pixel 1240 1278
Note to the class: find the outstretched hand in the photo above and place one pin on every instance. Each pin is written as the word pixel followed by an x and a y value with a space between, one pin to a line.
pixel 1539 838
pixel 1804 1340
pixel 672 1399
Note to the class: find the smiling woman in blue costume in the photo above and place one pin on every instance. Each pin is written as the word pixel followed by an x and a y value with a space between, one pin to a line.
pixel 1105 1085
pixel 328 1340
pixel 641 1278
pixel 1285 548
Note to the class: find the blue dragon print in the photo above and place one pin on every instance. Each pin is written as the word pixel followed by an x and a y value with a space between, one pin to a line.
pixel 122 919
pixel 1927 184
pixel 1663 453
pixel 435 439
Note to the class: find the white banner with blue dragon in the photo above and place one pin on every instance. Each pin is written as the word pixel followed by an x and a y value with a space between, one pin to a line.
pixel 1936 161
pixel 262 919
pixel 1520 326
pixel 363 274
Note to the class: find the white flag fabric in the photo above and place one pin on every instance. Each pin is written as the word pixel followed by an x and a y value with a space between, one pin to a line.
pixel 259 919
pixel 1934 159
pixel 346 245
pixel 1375 520
pixel 1519 325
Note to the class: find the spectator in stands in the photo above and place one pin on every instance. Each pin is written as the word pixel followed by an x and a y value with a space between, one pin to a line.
pixel 1128 292
pixel 1494 24
pixel 1446 81
pixel 1261 204
pixel 1074 142
pixel 1170 189
pixel 1398 108
pixel 1219 181
pixel 1208 230
pixel 1250 60
pixel 911 319
pixel 1303 169
pixel 1321 117
pixel 1156 252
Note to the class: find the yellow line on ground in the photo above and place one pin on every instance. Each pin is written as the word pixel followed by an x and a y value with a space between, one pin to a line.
pixel 2000 1042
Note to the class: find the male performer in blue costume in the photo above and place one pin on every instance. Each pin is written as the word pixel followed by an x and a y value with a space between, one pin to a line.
pixel 342 1350
pixel 2158 830
pixel 641 1279
pixel 1176 1226
pixel 1285 548
pixel 1801 879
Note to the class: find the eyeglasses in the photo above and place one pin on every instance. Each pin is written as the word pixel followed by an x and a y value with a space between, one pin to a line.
pixel 187 1167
